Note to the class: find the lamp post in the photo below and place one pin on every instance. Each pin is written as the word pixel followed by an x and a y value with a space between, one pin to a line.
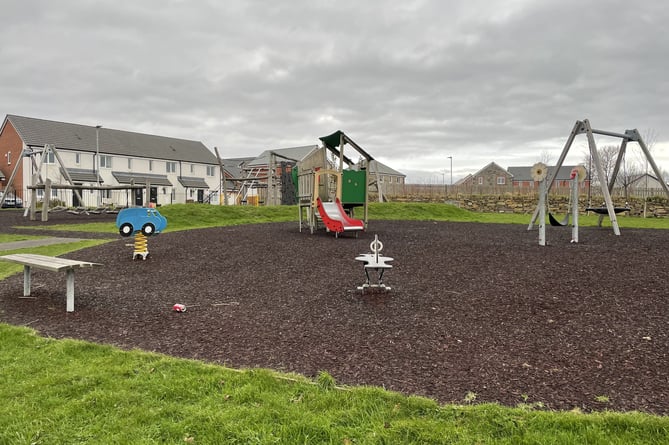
pixel 97 160
pixel 443 182
pixel 451 159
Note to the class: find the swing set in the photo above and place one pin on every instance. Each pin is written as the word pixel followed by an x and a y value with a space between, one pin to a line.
pixel 607 208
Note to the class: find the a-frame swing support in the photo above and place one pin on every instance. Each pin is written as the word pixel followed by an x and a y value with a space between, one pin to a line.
pixel 583 126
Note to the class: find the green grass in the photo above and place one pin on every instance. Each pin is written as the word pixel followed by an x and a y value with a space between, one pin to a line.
pixel 9 238
pixel 193 216
pixel 67 391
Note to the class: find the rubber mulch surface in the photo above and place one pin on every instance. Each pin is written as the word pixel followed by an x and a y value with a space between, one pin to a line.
pixel 477 312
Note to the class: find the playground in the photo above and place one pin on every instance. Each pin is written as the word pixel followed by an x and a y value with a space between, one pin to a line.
pixel 477 312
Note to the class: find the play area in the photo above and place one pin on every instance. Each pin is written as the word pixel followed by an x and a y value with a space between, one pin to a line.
pixel 477 312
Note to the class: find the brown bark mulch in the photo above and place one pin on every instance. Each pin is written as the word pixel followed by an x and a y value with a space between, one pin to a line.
pixel 474 308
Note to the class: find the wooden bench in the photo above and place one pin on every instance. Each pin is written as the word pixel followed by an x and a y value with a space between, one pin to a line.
pixel 55 264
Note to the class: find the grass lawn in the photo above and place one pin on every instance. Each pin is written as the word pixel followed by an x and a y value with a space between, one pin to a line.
pixel 192 216
pixel 67 391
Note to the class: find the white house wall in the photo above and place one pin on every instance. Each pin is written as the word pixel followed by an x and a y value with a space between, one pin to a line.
pixel 176 193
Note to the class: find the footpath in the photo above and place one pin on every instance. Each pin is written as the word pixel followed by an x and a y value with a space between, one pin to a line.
pixel 37 243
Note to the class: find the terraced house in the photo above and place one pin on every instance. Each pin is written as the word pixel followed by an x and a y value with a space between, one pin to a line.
pixel 175 170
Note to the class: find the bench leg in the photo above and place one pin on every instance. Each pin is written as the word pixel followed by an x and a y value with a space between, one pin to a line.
pixel 70 290
pixel 26 281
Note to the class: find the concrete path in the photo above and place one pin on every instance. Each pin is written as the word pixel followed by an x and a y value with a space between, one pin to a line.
pixel 37 242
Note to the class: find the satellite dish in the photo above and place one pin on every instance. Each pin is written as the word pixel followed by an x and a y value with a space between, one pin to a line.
pixel 539 171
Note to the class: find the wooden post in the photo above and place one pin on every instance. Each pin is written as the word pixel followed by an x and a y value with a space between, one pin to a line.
pixel 224 186
pixel 33 200
pixel 47 200
pixel 574 208
pixel 51 147
pixel 542 212
pixel 602 177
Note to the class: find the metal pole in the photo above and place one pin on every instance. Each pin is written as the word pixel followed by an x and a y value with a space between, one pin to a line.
pixel 542 212
pixel 574 207
pixel 97 161
pixel 451 158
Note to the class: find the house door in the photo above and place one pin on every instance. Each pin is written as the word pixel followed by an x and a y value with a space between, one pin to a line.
pixel 139 197
pixel 200 195
pixel 75 200
pixel 153 192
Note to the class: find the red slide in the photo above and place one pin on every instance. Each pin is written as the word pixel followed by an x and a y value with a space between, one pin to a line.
pixel 335 218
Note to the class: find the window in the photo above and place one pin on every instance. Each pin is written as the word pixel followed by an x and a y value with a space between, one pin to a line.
pixel 105 161
pixel 9 158
pixel 171 167
pixel 480 180
pixel 77 158
pixel 501 180
pixel 106 194
pixel 50 158
pixel 211 170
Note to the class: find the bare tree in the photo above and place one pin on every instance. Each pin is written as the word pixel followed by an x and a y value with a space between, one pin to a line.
pixel 545 157
pixel 628 174
pixel 607 155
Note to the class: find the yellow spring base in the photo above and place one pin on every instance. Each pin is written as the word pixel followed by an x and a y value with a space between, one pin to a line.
pixel 141 246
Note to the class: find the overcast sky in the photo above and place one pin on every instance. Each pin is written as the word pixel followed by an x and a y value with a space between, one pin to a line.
pixel 412 82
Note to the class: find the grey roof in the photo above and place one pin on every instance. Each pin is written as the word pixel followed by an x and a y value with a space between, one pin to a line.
pixel 383 169
pixel 524 173
pixel 192 182
pixel 489 166
pixel 38 132
pixel 141 178
pixel 234 166
pixel 297 153
pixel 82 175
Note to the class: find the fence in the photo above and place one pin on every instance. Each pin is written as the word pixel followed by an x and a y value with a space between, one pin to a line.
pixel 440 192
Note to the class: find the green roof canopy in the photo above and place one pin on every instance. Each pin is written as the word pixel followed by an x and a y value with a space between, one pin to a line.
pixel 332 142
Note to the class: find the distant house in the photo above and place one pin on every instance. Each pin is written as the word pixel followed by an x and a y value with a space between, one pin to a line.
pixel 645 185
pixel 176 170
pixel 522 177
pixel 492 176
pixel 386 174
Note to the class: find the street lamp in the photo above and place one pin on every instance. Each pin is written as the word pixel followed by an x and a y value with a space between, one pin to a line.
pixel 451 159
pixel 97 160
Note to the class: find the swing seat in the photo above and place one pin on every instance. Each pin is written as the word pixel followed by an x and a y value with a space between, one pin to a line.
pixel 605 211
pixel 555 222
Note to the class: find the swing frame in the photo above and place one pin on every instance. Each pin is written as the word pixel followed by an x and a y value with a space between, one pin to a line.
pixel 584 126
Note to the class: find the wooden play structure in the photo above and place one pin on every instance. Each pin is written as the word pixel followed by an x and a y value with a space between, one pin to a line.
pixel 328 193
pixel 608 208
pixel 39 183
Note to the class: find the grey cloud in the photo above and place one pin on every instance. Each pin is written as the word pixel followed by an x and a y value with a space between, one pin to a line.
pixel 480 81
